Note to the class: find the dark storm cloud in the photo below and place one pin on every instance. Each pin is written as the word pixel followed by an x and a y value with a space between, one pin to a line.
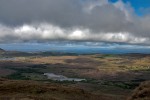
pixel 59 12
pixel 64 13
pixel 75 20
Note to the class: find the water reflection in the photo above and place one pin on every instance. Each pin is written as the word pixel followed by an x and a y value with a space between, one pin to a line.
pixel 55 77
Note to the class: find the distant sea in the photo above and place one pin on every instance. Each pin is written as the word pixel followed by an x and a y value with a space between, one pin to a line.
pixel 76 48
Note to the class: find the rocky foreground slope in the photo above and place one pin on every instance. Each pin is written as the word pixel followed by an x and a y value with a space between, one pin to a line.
pixel 142 92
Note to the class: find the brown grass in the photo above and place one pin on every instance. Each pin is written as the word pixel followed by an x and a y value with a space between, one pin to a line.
pixel 31 90
pixel 142 92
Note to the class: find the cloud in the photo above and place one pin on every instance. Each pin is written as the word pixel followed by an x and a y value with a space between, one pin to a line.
pixel 45 32
pixel 72 20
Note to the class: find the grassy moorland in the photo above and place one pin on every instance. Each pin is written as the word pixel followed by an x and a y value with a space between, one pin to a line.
pixel 31 90
pixel 109 77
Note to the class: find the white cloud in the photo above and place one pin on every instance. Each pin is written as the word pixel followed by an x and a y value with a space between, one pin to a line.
pixel 46 32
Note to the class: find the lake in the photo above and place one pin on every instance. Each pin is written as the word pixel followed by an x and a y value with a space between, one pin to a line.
pixel 55 77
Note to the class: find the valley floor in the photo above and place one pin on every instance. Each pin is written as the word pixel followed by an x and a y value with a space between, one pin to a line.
pixel 106 77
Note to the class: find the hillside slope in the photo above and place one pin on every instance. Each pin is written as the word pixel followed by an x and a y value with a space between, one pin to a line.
pixel 32 90
pixel 142 92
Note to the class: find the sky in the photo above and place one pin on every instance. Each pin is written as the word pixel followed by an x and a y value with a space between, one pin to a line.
pixel 138 5
pixel 119 23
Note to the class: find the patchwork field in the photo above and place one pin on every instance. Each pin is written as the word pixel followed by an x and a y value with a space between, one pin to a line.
pixel 107 76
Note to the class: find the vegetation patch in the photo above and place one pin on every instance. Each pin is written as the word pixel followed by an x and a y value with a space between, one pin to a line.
pixel 18 75
pixel 124 85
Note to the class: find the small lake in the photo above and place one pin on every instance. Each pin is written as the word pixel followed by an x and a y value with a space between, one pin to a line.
pixel 55 77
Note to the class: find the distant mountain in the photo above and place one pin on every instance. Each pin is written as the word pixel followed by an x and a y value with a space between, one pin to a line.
pixel 2 50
